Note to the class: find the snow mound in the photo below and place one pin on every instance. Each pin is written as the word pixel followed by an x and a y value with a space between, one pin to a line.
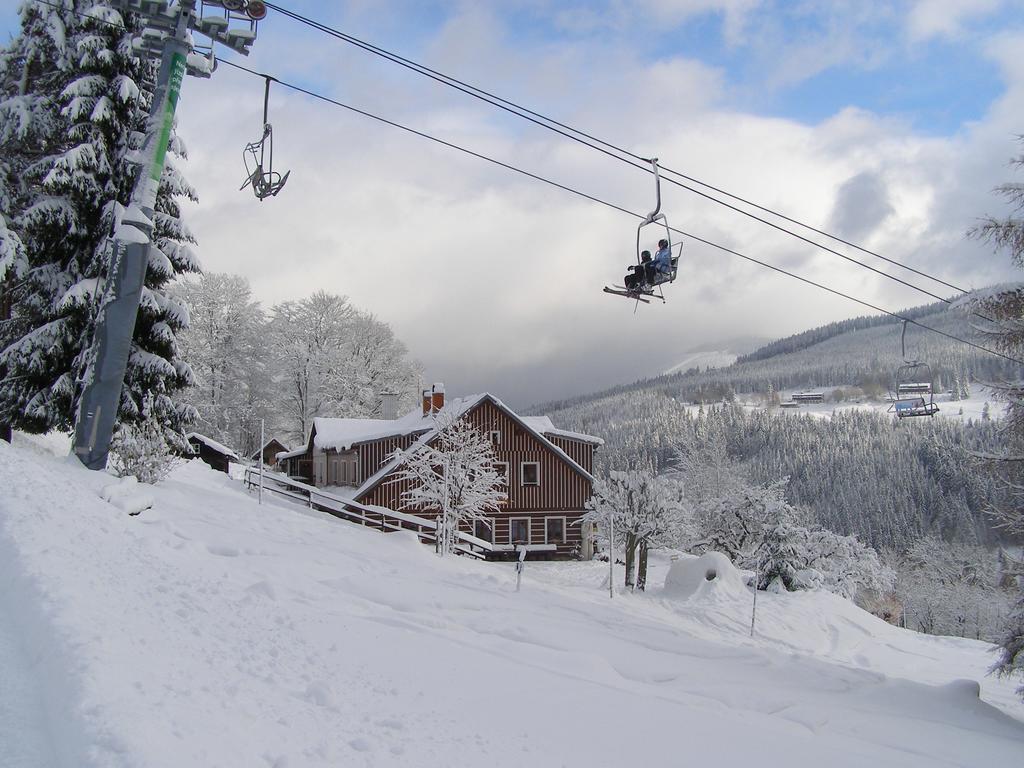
pixel 127 496
pixel 710 577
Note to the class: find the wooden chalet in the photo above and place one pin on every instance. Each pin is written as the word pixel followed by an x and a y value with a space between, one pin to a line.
pixel 268 453
pixel 548 470
pixel 210 451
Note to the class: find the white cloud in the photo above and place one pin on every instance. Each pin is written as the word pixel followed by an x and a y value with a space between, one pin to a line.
pixel 735 13
pixel 945 18
pixel 493 280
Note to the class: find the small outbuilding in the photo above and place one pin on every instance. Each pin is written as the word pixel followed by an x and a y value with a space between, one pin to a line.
pixel 215 454
pixel 269 452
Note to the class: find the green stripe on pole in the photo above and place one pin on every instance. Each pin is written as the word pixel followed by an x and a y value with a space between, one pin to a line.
pixel 173 91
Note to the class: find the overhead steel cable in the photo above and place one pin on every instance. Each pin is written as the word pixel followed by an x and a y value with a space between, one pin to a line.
pixel 621 154
pixel 614 206
pixel 591 141
pixel 572 190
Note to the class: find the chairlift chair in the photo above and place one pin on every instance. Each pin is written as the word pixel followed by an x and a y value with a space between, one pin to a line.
pixel 646 291
pixel 264 180
pixel 912 390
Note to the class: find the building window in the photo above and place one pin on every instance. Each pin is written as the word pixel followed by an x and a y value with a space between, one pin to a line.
pixel 501 467
pixel 484 529
pixel 554 530
pixel 529 472
pixel 519 530
pixel 495 436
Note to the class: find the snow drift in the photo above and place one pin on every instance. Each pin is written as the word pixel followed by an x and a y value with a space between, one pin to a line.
pixel 710 577
pixel 212 631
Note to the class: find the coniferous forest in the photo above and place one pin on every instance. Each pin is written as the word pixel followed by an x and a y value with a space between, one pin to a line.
pixel 917 490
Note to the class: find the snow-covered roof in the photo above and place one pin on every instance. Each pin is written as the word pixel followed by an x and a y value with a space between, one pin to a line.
pixel 282 455
pixel 343 434
pixel 543 425
pixel 211 443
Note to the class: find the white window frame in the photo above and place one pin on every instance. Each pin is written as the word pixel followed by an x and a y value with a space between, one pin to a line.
pixel 506 488
pixel 529 532
pixel 495 443
pixel 522 474
pixel 490 523
pixel 565 529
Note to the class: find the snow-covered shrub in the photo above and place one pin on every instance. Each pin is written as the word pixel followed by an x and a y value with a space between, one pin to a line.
pixel 141 451
pixel 735 522
pixel 759 530
pixel 884 605
pixel 952 589
pixel 644 511
pixel 814 558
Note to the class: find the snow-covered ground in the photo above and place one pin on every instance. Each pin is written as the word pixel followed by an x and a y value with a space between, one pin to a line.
pixel 703 360
pixel 210 631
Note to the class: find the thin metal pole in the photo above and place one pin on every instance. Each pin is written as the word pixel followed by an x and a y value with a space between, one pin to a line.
pixel 757 579
pixel 263 443
pixel 611 555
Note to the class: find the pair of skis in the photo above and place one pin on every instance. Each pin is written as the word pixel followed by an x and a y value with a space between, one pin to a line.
pixel 621 290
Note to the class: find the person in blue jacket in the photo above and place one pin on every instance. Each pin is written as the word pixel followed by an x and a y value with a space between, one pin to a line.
pixel 660 269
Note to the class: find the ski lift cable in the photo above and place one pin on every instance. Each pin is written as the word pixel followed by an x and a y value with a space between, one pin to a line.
pixel 571 190
pixel 617 153
pixel 525 113
pixel 614 206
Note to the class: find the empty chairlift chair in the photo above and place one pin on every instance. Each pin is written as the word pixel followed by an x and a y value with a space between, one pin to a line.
pixel 913 392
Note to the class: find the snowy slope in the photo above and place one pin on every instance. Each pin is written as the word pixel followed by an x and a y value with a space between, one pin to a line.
pixel 703 360
pixel 211 631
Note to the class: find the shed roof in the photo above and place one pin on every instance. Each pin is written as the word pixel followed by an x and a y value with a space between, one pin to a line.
pixel 212 444
pixel 259 451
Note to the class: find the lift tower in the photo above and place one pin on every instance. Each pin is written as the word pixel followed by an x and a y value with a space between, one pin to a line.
pixel 166 36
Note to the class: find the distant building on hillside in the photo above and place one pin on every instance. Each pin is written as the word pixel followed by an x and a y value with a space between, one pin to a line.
pixel 548 470
pixel 218 456
pixel 268 453
pixel 806 398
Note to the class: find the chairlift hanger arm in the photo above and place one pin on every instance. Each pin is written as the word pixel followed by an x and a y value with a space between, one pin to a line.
pixel 657 190
pixel 266 97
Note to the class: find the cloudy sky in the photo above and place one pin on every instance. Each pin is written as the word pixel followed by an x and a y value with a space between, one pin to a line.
pixel 886 122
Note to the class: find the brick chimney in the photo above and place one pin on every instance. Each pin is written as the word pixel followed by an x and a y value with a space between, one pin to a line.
pixel 437 397
pixel 426 401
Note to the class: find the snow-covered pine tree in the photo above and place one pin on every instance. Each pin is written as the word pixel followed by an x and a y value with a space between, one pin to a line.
pixel 453 475
pixel 1004 306
pixel 69 126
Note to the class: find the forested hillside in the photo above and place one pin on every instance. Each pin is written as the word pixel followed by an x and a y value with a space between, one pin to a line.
pixel 858 472
pixel 862 353
pixel 914 489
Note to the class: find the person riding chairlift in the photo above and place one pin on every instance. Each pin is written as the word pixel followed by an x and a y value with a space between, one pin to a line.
pixel 638 276
pixel 662 264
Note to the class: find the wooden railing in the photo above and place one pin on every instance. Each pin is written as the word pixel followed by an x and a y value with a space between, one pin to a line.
pixel 379 518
